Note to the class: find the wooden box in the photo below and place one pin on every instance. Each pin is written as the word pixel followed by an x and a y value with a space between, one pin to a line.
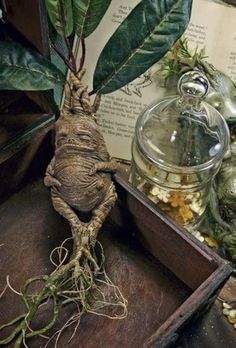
pixel 166 275
pixel 194 272
pixel 26 118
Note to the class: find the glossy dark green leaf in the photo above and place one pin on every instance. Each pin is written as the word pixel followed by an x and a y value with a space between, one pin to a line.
pixel 60 14
pixel 141 40
pixel 24 69
pixel 87 15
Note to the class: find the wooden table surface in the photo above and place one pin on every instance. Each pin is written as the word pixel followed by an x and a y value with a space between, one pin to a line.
pixel 30 229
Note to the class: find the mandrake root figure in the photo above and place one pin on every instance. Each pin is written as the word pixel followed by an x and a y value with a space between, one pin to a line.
pixel 80 182
pixel 79 173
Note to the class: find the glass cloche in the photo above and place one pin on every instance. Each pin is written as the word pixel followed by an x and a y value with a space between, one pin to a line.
pixel 177 149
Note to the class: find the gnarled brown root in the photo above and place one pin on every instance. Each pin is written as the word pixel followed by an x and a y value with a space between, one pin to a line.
pixel 82 281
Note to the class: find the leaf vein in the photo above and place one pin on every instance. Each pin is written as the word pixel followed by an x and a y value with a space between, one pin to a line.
pixel 124 63
pixel 17 67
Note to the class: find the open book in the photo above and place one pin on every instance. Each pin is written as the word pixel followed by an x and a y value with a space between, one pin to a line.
pixel 212 26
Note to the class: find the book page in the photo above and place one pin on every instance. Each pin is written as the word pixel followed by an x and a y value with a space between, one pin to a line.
pixel 119 110
pixel 211 26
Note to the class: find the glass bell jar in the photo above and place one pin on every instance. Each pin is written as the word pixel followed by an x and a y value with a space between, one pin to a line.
pixel 178 148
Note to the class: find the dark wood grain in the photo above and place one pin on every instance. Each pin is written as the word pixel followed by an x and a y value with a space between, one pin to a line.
pixel 30 228
pixel 29 18
pixel 18 138
pixel 165 239
pixel 24 158
pixel 159 303
pixel 27 23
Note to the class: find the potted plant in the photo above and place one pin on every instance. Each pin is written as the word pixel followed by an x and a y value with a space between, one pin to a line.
pixel 128 53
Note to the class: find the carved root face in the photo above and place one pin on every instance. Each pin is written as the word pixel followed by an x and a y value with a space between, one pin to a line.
pixel 76 135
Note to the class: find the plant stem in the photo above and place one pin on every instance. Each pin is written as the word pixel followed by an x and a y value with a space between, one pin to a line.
pixel 72 60
pixel 65 60
pixel 82 59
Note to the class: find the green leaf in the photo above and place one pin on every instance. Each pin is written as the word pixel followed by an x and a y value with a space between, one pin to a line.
pixel 60 14
pixel 143 38
pixel 24 69
pixel 87 15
